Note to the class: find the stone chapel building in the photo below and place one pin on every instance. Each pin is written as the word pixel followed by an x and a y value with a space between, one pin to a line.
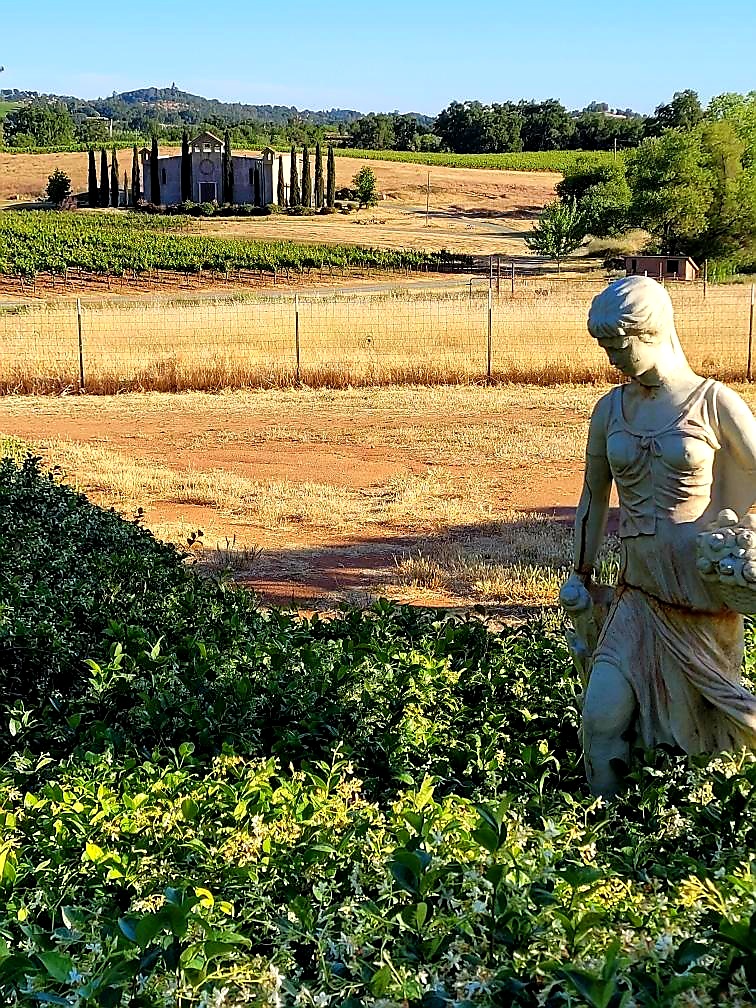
pixel 206 153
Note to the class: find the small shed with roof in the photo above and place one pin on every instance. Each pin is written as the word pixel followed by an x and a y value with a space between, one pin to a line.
pixel 662 267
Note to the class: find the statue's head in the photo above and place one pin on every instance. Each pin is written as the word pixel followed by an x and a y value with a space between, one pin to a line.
pixel 632 319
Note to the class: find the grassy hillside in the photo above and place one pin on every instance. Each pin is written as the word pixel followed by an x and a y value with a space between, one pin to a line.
pixel 205 803
pixel 551 161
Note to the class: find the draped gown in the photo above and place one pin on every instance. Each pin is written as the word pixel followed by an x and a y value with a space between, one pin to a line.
pixel 667 632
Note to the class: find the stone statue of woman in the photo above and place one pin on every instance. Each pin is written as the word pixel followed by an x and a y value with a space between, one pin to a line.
pixel 680 449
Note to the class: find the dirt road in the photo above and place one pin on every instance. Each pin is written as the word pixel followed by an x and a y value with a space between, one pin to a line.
pixel 401 492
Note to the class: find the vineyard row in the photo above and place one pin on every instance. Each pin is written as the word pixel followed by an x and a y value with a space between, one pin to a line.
pixel 534 161
pixel 35 242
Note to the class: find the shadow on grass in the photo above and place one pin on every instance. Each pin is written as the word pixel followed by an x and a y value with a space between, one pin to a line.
pixel 496 564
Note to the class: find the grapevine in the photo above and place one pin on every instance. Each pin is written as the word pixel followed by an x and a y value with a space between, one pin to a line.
pixel 32 242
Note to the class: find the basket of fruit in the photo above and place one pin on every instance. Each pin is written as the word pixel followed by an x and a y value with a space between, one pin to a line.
pixel 727 559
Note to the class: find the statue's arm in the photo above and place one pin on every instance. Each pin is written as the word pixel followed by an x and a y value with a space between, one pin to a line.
pixel 593 507
pixel 737 430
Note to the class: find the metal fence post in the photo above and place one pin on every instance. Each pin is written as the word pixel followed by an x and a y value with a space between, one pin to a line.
pixel 489 353
pixel 81 345
pixel 296 333
pixel 750 332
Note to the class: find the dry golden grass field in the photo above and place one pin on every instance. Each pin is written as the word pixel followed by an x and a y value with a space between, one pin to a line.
pixel 471 210
pixel 446 495
pixel 537 335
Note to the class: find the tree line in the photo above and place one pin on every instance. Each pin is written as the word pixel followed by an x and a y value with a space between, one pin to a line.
pixel 691 185
pixel 473 128
pixel 41 123
pixel 304 193
pixel 105 189
pixel 468 127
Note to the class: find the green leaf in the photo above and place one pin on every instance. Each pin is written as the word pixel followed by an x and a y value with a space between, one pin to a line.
pixel 74 918
pixel 93 853
pixel 577 875
pixel 689 952
pixel 147 928
pixel 7 866
pixel 415 860
pixel 495 874
pixel 57 964
pixel 404 877
pixel 587 921
pixel 127 926
pixel 542 894
pixel 189 809
pixel 425 795
pixel 588 986
pixel 217 949
pixel 488 817
pixel 415 820
pixel 381 982
pixel 487 838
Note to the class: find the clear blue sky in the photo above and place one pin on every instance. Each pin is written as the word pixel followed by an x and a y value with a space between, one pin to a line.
pixel 385 55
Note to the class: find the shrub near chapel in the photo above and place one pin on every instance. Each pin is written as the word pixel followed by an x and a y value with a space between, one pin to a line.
pixel 366 187
pixel 58 186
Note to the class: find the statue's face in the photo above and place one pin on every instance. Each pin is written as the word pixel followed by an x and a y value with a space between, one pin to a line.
pixel 629 354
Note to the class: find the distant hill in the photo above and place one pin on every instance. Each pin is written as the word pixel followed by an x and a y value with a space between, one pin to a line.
pixel 173 100
pixel 171 105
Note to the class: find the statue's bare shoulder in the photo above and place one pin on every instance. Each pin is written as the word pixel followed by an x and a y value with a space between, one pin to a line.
pixel 729 405
pixel 736 423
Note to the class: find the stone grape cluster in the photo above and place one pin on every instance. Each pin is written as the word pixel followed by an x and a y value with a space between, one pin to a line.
pixel 727 551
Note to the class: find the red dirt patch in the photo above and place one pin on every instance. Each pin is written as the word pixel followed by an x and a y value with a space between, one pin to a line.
pixel 363 445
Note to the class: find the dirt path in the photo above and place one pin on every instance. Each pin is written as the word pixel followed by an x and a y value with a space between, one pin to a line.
pixel 311 497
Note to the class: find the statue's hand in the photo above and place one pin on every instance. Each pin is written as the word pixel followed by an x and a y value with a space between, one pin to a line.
pixel 574 594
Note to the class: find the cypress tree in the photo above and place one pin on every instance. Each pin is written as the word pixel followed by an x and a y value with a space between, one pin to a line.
pixel 104 179
pixel 125 189
pixel 331 178
pixel 186 168
pixel 256 186
pixel 114 181
pixel 281 194
pixel 306 178
pixel 228 169
pixel 294 198
pixel 154 173
pixel 136 178
pixel 318 176
pixel 94 193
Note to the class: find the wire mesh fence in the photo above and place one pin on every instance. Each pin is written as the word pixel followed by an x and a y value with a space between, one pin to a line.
pixel 535 332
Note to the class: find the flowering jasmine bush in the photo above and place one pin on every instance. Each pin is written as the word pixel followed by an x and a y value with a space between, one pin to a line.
pixel 207 804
